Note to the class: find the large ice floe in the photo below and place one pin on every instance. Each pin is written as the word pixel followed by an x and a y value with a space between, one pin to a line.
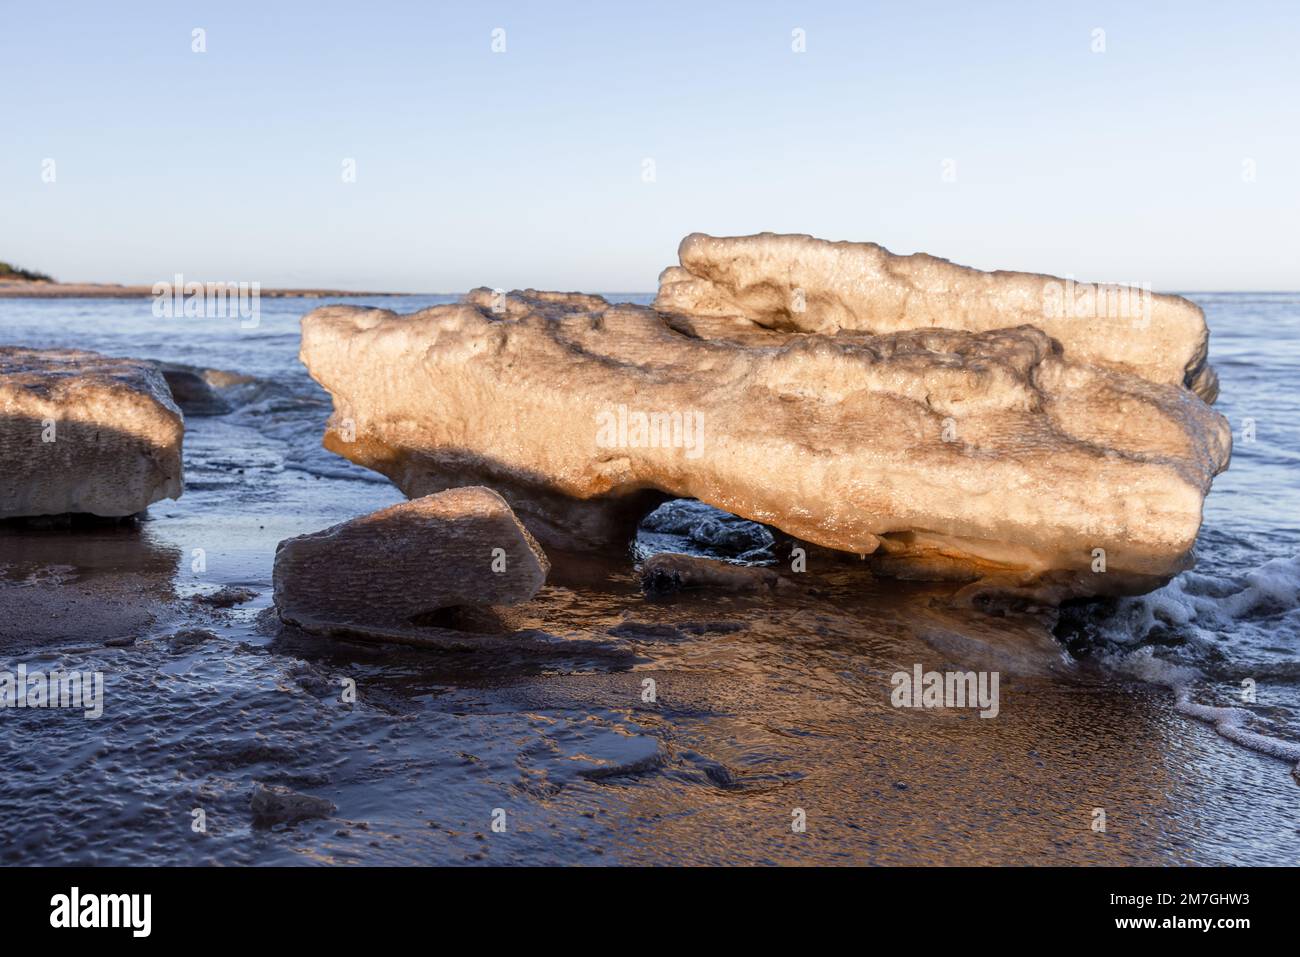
pixel 805 284
pixel 943 422
pixel 85 433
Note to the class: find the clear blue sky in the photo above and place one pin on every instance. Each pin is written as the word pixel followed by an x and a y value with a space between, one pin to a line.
pixel 525 168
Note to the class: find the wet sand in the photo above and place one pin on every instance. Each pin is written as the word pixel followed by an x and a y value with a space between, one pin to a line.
pixel 765 705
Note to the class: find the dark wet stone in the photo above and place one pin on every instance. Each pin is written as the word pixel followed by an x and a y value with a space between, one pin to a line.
pixel 226 597
pixel 195 390
pixel 189 638
pixel 711 530
pixel 279 805
pixel 668 572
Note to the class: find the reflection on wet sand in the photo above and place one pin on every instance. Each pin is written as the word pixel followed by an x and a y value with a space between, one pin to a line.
pixel 767 709
pixel 81 578
pixel 792 713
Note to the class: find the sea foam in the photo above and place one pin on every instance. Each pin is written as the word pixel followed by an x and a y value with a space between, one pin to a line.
pixel 1206 627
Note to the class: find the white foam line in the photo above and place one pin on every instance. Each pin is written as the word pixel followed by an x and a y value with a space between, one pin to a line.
pixel 1230 723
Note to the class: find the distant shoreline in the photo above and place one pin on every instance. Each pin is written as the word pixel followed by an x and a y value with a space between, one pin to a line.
pixel 23 289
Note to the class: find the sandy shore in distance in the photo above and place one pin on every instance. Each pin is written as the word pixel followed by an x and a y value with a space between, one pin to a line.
pixel 24 289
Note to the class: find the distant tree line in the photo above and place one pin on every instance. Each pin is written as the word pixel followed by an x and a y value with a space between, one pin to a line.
pixel 8 271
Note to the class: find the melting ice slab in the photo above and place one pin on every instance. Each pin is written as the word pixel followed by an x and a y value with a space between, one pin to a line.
pixel 82 432
pixel 1002 457
pixel 811 285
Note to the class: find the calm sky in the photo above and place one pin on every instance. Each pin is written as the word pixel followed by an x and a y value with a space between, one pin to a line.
pixel 993 134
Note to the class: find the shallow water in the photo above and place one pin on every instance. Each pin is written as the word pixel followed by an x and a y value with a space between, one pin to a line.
pixel 764 707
